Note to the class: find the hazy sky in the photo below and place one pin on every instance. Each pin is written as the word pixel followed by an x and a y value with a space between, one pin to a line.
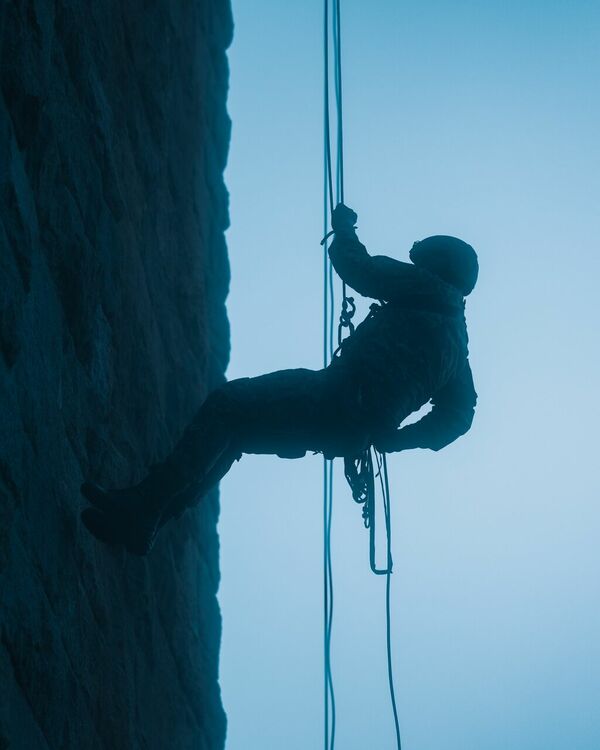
pixel 481 120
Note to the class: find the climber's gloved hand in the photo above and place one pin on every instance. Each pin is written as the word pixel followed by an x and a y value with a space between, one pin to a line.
pixel 343 218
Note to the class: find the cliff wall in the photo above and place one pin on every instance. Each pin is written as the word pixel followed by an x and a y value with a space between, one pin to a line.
pixel 113 277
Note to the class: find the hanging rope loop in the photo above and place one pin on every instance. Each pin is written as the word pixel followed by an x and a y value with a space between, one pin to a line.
pixel 359 475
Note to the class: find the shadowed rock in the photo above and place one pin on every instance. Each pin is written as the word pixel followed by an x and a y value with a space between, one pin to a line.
pixel 113 139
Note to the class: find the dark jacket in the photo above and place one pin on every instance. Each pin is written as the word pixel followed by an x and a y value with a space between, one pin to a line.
pixel 411 350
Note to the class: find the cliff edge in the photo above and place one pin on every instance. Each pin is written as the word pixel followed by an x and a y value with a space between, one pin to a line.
pixel 113 278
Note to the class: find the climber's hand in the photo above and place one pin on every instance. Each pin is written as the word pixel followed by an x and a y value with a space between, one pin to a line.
pixel 343 218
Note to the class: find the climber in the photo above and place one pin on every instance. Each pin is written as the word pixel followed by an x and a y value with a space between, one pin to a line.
pixel 411 349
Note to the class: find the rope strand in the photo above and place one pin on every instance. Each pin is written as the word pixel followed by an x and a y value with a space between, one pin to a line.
pixel 328 324
pixel 345 321
pixel 337 40
pixel 388 586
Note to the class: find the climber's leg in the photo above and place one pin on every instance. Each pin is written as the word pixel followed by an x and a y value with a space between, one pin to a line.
pixel 295 411
pixel 287 412
pixel 180 502
pixel 133 515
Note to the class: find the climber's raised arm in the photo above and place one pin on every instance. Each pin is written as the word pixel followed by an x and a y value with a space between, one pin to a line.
pixel 377 276
pixel 450 417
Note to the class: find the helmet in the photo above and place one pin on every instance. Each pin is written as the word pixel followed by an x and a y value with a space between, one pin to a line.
pixel 451 259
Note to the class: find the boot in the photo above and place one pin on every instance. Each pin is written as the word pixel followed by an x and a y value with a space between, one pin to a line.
pixel 130 517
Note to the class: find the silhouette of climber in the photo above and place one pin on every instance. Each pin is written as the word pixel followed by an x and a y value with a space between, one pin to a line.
pixel 411 349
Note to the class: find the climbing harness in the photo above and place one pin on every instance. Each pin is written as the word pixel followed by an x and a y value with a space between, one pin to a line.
pixel 361 472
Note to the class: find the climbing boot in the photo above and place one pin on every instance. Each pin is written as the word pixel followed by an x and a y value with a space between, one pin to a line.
pixel 129 517
pixel 116 529
pixel 120 518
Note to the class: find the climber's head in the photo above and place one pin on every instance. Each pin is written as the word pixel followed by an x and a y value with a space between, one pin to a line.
pixel 449 258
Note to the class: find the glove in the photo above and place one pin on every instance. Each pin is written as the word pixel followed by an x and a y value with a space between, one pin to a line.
pixel 343 218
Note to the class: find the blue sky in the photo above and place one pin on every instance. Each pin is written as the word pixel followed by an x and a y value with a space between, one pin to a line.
pixel 480 120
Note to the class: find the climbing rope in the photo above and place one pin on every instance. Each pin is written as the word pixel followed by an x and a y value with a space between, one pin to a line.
pixel 385 488
pixel 360 473
pixel 328 349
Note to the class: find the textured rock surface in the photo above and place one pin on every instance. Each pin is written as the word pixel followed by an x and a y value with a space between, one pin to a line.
pixel 113 271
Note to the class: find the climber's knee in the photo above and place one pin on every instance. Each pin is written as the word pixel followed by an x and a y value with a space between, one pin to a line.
pixel 218 409
pixel 218 399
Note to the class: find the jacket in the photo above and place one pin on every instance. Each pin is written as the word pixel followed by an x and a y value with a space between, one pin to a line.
pixel 411 349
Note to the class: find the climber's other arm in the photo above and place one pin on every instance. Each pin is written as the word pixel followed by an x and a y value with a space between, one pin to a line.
pixel 450 417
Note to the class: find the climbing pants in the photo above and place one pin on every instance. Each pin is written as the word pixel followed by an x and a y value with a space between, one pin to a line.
pixel 287 413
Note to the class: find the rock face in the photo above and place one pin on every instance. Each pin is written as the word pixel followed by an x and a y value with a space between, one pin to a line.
pixel 113 276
